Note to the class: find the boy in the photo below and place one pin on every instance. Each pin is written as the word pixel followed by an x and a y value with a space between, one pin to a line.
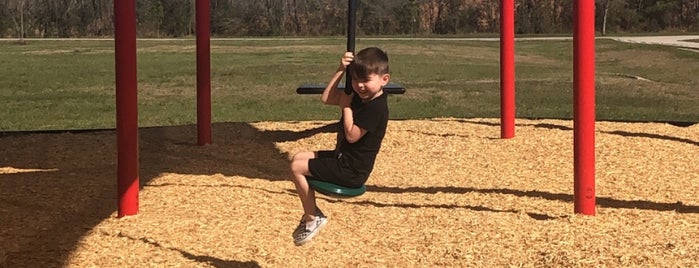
pixel 362 128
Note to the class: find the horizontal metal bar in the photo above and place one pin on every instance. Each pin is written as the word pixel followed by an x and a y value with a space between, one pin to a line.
pixel 391 88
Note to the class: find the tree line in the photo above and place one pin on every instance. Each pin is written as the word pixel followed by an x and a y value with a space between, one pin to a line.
pixel 231 18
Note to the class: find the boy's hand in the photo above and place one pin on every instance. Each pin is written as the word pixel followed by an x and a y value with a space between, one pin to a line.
pixel 347 59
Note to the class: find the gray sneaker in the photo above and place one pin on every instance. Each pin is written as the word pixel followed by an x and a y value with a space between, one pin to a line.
pixel 309 229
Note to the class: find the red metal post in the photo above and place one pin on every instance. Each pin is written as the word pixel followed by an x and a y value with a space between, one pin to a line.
pixel 203 72
pixel 584 106
pixel 126 106
pixel 507 69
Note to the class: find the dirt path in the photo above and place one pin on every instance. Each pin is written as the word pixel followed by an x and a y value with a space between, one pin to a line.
pixel 676 40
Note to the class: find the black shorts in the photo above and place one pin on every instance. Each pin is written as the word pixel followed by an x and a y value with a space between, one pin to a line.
pixel 329 166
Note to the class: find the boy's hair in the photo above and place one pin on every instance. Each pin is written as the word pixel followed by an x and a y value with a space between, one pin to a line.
pixel 371 60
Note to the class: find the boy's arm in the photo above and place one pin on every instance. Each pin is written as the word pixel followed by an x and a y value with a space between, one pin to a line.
pixel 352 132
pixel 331 95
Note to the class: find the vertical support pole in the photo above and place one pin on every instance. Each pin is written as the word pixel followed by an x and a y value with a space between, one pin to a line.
pixel 584 106
pixel 203 72
pixel 507 69
pixel 126 106
pixel 351 32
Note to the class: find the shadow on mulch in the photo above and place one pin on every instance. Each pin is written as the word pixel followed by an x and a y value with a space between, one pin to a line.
pixel 215 262
pixel 626 134
pixel 606 202
pixel 652 136
pixel 69 182
pixel 620 133
pixel 569 198
pixel 71 186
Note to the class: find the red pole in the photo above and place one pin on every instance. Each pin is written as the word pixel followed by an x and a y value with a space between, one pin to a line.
pixel 507 69
pixel 584 106
pixel 203 73
pixel 126 106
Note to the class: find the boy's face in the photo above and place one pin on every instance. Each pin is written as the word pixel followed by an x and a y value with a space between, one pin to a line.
pixel 368 88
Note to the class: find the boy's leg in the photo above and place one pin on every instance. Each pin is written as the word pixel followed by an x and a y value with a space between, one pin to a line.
pixel 299 171
pixel 313 219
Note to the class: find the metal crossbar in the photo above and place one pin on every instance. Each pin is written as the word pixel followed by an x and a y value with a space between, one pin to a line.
pixel 390 88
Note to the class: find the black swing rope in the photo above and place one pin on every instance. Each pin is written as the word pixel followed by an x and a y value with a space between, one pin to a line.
pixel 391 88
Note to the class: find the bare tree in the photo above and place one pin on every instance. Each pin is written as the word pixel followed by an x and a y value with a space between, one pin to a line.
pixel 16 11
pixel 604 19
pixel 73 18
pixel 21 23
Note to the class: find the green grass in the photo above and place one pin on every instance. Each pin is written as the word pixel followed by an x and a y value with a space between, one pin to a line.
pixel 50 85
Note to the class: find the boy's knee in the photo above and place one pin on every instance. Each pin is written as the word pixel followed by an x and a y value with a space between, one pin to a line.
pixel 299 167
pixel 296 167
pixel 292 166
pixel 302 156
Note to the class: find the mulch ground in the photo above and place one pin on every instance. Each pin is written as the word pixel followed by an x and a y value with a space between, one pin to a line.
pixel 445 192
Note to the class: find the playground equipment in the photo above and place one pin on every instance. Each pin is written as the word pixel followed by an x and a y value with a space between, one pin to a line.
pixel 334 190
pixel 126 106
pixel 391 88
pixel 127 94
pixel 327 188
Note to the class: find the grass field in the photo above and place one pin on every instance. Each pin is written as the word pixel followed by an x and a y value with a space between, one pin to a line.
pixel 446 192
pixel 60 85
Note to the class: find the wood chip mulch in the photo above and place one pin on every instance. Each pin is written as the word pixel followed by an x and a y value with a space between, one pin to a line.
pixel 444 192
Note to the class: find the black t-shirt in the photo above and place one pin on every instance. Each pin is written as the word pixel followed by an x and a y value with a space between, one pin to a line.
pixel 373 117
